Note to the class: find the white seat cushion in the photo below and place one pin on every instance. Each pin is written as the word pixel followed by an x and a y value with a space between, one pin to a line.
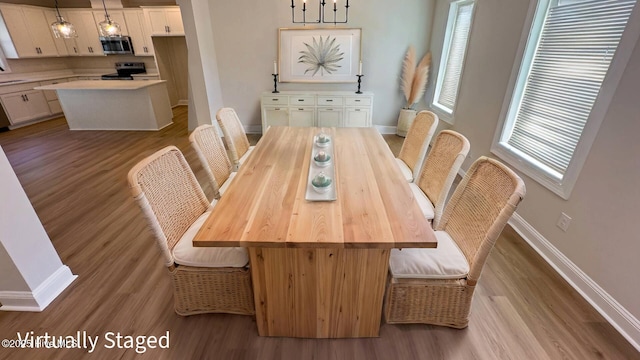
pixel 225 185
pixel 423 201
pixel 405 170
pixel 246 155
pixel 185 254
pixel 444 262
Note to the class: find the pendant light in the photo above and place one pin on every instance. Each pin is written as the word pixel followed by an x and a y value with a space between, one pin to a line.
pixel 108 27
pixel 62 28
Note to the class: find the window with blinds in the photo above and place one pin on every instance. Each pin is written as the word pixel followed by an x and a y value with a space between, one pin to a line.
pixel 452 59
pixel 559 83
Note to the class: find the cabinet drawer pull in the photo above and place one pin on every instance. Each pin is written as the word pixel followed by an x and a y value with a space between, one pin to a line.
pixel 300 99
pixel 357 100
pixel 26 97
pixel 277 109
pixel 357 109
pixel 329 100
pixel 274 100
pixel 22 96
pixel 301 109
pixel 329 109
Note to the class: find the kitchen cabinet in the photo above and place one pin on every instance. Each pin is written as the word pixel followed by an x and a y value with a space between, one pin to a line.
pixel 25 32
pixel 357 117
pixel 88 42
pixel 24 106
pixel 316 108
pixel 329 117
pixel 139 32
pixel 164 20
pixel 52 96
pixel 357 111
pixel 59 43
pixel 302 116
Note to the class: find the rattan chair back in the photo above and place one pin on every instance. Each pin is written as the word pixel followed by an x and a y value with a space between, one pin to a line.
pixel 441 167
pixel 234 135
pixel 480 208
pixel 212 154
pixel 415 145
pixel 169 195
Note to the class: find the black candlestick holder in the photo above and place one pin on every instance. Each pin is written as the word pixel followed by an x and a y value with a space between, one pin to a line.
pixel 275 84
pixel 359 82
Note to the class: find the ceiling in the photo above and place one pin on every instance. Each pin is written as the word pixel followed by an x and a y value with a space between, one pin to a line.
pixel 87 3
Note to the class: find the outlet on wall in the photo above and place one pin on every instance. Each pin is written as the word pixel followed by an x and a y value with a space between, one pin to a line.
pixel 564 221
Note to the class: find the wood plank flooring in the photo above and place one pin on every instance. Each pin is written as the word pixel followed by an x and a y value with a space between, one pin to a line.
pixel 77 183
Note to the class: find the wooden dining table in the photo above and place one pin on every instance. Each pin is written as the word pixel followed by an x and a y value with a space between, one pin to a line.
pixel 318 268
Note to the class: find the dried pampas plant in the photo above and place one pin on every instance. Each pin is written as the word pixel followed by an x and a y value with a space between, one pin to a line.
pixel 408 71
pixel 414 79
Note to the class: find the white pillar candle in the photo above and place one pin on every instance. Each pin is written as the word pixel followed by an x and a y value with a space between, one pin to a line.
pixel 275 67
pixel 360 69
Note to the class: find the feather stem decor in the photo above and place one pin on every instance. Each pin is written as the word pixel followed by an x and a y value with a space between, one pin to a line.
pixel 408 71
pixel 414 79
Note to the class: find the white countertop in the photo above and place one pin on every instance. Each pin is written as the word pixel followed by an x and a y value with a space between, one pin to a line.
pixel 102 85
pixel 24 78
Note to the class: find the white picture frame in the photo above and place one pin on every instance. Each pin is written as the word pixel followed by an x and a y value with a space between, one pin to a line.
pixel 299 52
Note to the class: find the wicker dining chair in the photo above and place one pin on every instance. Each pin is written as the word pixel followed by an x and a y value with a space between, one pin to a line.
pixel 436 286
pixel 213 156
pixel 438 172
pixel 415 145
pixel 234 136
pixel 205 280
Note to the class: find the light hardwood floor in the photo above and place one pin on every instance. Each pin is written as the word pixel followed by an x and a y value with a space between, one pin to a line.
pixel 77 183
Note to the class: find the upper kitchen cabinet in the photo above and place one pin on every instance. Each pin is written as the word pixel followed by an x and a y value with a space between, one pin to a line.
pixel 60 43
pixel 25 32
pixel 88 40
pixel 139 32
pixel 164 20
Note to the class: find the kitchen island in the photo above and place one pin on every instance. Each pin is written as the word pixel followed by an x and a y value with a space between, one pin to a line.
pixel 114 104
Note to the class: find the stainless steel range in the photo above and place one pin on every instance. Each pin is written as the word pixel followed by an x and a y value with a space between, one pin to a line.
pixel 125 70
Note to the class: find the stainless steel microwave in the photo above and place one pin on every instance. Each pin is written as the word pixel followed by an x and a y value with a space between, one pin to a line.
pixel 116 44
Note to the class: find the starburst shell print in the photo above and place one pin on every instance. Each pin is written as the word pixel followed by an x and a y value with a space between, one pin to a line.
pixel 322 55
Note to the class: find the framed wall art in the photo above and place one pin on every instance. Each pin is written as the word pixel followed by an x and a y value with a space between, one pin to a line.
pixel 319 55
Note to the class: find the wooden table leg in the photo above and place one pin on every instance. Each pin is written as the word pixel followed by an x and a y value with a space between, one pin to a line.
pixel 318 293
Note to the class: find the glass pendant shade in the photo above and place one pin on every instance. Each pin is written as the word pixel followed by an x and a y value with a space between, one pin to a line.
pixel 109 27
pixel 63 29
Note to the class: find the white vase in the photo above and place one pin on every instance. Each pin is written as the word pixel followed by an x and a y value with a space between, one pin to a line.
pixel 404 121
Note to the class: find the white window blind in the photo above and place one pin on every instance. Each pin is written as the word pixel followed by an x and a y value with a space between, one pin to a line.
pixel 449 79
pixel 576 45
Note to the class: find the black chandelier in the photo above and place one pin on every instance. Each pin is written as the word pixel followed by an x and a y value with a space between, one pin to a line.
pixel 321 16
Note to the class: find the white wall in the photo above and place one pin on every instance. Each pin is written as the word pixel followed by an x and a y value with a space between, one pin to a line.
pixel 205 95
pixel 246 42
pixel 603 238
pixel 32 273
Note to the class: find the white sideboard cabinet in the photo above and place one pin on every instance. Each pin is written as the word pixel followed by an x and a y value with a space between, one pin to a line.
pixel 316 108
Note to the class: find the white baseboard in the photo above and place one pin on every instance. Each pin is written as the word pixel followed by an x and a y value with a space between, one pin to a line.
pixel 619 317
pixel 385 129
pixel 253 129
pixel 38 299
